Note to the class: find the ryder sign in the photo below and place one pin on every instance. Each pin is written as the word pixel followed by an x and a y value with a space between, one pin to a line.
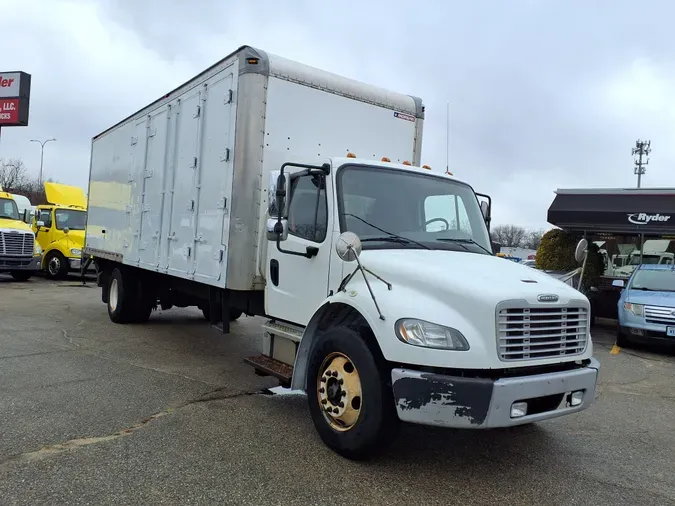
pixel 14 98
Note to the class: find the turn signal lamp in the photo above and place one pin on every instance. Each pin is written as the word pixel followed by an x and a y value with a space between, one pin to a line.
pixel 426 167
pixel 385 159
pixel 448 173
pixel 407 163
pixel 351 155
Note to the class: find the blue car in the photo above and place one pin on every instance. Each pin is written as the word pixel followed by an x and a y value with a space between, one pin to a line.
pixel 647 305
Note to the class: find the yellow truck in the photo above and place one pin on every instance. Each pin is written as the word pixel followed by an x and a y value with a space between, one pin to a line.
pixel 59 228
pixel 20 254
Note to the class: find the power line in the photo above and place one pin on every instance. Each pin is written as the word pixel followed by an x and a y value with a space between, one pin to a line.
pixel 642 148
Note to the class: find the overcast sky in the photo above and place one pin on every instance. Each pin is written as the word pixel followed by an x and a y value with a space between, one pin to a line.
pixel 543 94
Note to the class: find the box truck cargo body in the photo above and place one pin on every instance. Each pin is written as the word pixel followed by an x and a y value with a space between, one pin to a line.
pixel 267 187
pixel 176 188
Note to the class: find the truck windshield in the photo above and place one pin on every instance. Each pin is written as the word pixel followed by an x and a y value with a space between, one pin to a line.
pixel 70 218
pixel 424 210
pixel 654 280
pixel 8 209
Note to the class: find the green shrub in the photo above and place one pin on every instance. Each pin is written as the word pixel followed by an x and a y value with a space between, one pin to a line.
pixel 556 253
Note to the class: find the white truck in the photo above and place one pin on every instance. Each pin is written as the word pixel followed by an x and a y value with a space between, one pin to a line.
pixel 240 193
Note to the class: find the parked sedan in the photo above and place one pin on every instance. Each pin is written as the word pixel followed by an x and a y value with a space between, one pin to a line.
pixel 647 305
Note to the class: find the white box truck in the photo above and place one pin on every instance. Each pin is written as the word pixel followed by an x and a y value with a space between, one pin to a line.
pixel 266 187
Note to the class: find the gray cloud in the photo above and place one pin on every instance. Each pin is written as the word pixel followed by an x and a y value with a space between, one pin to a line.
pixel 543 94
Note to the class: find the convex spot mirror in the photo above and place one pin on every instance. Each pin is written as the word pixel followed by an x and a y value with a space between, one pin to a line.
pixel 580 251
pixel 40 223
pixel 277 230
pixel 348 246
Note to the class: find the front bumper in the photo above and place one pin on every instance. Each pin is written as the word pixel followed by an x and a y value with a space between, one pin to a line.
pixel 76 263
pixel 481 403
pixel 8 263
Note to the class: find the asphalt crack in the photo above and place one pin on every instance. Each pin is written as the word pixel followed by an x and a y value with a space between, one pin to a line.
pixel 77 443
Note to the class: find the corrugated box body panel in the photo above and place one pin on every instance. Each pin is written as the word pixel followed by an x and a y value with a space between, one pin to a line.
pixel 180 187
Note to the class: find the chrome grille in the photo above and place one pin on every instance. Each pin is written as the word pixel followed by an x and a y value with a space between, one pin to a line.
pixel 16 244
pixel 541 332
pixel 660 315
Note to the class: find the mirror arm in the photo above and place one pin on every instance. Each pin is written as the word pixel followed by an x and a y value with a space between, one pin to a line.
pixel 310 251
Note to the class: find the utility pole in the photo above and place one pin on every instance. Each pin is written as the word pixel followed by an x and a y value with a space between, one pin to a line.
pixel 42 155
pixel 642 148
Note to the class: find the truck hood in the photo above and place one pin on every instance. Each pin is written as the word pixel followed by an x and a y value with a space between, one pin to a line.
pixel 485 278
pixel 14 225
pixel 651 298
pixel 75 238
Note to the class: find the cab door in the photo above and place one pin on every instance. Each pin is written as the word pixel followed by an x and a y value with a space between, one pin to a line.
pixel 44 233
pixel 296 284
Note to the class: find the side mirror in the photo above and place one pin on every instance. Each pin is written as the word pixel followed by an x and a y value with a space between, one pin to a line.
pixel 40 223
pixel 485 209
pixel 276 229
pixel 619 283
pixel 348 246
pixel 580 251
pixel 272 210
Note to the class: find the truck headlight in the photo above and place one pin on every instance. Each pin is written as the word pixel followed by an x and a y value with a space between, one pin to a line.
pixel 430 335
pixel 636 309
pixel 37 250
pixel 76 252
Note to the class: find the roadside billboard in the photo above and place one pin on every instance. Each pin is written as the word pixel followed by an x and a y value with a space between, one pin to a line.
pixel 14 98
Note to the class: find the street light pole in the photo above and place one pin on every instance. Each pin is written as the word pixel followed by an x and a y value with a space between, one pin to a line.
pixel 42 155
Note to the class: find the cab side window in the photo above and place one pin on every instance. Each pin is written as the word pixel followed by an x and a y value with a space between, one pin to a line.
pixel 308 208
pixel 46 217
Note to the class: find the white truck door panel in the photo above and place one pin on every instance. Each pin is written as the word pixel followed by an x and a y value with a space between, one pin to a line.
pixel 135 179
pixel 182 231
pixel 300 284
pixel 214 177
pixel 152 180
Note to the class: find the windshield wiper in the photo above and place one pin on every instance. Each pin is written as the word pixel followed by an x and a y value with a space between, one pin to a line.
pixel 390 237
pixel 7 217
pixel 464 241
pixel 641 288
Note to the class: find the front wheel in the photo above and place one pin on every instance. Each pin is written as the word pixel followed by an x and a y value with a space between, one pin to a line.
pixel 350 396
pixel 56 265
pixel 21 275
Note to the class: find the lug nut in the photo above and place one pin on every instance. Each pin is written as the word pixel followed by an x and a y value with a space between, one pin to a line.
pixel 323 379
pixel 342 404
pixel 335 374
pixel 341 381
pixel 329 372
pixel 344 394
pixel 336 410
pixel 321 390
pixel 324 401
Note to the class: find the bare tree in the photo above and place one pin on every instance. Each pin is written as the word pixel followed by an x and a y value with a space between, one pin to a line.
pixel 13 173
pixel 509 236
pixel 14 178
pixel 532 239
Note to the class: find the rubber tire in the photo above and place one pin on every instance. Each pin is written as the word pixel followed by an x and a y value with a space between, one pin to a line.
pixel 378 422
pixel 622 340
pixel 63 268
pixel 22 275
pixel 124 312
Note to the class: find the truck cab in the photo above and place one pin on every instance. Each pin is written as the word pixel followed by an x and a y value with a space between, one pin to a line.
pixel 20 254
pixel 59 227
pixel 382 283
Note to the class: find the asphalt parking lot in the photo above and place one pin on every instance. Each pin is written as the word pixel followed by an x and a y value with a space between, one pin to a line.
pixel 167 413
